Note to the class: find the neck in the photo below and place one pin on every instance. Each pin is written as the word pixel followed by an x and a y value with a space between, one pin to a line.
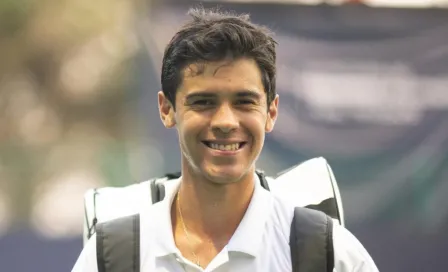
pixel 214 211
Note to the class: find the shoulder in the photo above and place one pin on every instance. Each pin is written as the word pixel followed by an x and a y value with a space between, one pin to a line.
pixel 87 259
pixel 349 253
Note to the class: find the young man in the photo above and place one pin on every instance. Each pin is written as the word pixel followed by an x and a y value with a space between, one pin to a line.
pixel 218 92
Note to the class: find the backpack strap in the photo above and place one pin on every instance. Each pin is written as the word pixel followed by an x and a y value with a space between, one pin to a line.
pixel 118 245
pixel 157 191
pixel 311 241
pixel 263 180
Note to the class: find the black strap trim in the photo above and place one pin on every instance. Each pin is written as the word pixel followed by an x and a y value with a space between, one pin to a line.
pixel 154 191
pixel 262 178
pixel 160 191
pixel 328 206
pixel 100 249
pixel 136 253
pixel 91 229
pixel 330 248
pixel 173 175
pixel 334 193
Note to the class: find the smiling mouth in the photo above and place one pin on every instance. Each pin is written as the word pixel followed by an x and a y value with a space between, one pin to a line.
pixel 224 147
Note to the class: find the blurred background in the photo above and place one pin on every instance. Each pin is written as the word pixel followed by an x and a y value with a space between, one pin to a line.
pixel 362 83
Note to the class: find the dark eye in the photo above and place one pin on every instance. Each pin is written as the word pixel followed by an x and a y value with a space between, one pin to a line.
pixel 203 102
pixel 245 102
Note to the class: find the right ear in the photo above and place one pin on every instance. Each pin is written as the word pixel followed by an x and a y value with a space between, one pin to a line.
pixel 166 110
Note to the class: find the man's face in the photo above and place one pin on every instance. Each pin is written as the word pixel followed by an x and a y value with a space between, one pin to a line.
pixel 221 117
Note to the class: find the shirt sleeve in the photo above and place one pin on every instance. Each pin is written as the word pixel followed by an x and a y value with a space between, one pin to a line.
pixel 87 259
pixel 349 254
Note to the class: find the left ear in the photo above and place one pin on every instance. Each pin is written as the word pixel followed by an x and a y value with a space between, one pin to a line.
pixel 166 110
pixel 272 115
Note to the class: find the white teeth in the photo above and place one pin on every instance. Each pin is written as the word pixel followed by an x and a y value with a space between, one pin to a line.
pixel 229 147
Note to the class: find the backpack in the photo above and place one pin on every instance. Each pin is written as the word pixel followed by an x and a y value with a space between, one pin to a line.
pixel 311 238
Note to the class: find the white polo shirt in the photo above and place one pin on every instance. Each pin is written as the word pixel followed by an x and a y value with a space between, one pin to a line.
pixel 260 243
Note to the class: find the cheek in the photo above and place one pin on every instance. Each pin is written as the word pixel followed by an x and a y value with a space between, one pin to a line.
pixel 187 142
pixel 188 131
pixel 259 122
pixel 256 127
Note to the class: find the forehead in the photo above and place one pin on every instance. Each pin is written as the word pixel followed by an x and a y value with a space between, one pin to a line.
pixel 222 76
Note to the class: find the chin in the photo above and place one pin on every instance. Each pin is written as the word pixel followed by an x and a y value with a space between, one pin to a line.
pixel 222 180
pixel 224 175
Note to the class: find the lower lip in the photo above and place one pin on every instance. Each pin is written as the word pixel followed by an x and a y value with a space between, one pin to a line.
pixel 225 152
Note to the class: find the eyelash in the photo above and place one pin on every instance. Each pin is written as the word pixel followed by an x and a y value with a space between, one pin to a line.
pixel 204 102
pixel 245 102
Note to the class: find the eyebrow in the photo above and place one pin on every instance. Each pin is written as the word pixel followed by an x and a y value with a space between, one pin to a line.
pixel 240 94
pixel 200 95
pixel 249 94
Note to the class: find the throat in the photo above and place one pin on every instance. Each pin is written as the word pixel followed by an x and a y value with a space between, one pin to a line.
pixel 209 216
pixel 199 240
pixel 205 219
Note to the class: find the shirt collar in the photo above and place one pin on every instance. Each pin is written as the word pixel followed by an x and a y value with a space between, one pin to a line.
pixel 246 239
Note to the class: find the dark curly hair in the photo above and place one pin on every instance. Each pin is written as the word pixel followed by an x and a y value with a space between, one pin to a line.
pixel 211 36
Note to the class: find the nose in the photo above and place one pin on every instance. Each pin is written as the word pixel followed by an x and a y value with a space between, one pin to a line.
pixel 224 119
